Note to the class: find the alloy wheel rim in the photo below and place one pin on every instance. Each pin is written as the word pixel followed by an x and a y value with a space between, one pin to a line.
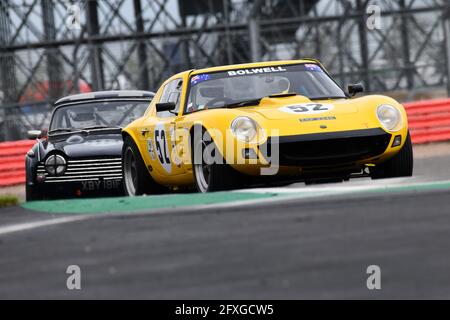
pixel 202 170
pixel 130 172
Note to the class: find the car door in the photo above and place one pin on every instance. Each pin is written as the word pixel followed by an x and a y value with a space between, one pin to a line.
pixel 159 132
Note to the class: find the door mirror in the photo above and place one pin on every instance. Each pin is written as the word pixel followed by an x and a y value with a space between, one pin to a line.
pixel 166 106
pixel 34 134
pixel 354 89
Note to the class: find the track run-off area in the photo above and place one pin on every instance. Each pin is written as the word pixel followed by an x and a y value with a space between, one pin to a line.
pixel 287 242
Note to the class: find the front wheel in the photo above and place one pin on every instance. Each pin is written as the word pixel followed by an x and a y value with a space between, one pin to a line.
pixel 401 165
pixel 211 173
pixel 136 178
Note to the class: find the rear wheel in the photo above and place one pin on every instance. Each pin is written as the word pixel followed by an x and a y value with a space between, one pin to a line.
pixel 401 165
pixel 136 178
pixel 209 175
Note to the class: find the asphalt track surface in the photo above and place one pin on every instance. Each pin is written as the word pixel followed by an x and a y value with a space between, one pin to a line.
pixel 296 248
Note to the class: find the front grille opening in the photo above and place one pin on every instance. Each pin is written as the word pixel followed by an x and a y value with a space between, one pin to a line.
pixel 329 150
pixel 86 169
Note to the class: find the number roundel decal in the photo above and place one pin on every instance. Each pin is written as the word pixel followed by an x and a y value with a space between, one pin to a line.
pixel 307 108
pixel 162 147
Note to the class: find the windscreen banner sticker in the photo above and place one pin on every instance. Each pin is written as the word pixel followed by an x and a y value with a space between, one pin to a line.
pixel 244 72
pixel 162 147
pixel 312 67
pixel 199 78
pixel 307 108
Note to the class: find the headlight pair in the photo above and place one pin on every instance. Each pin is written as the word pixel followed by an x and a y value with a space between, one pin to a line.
pixel 389 117
pixel 246 129
pixel 55 165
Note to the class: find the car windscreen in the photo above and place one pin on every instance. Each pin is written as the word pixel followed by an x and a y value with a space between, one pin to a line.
pixel 217 89
pixel 101 114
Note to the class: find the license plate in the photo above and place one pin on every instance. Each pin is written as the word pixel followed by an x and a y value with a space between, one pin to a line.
pixel 100 185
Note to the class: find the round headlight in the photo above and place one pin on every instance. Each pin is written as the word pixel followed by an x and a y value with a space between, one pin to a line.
pixel 244 128
pixel 55 165
pixel 389 117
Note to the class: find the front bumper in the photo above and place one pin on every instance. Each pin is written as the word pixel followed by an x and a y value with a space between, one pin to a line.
pixel 327 149
pixel 79 189
pixel 329 153
pixel 90 177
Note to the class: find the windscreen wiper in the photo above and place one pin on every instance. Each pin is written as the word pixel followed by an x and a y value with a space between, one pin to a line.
pixel 101 127
pixel 60 130
pixel 244 103
pixel 255 102
pixel 325 98
pixel 283 95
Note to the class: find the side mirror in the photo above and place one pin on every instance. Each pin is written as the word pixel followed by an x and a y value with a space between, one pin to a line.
pixel 34 134
pixel 354 89
pixel 166 106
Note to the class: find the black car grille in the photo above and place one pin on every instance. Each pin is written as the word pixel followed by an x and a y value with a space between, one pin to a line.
pixel 86 170
pixel 329 148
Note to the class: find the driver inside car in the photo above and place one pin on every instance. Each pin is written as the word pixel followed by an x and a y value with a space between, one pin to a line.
pixel 207 98
pixel 82 120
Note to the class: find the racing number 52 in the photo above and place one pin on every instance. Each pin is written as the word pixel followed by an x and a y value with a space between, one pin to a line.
pixel 308 107
pixel 161 146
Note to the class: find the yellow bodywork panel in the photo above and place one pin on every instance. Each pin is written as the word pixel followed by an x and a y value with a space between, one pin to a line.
pixel 165 145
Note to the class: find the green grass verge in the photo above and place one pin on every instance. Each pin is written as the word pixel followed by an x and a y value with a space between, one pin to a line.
pixel 136 204
pixel 153 203
pixel 7 201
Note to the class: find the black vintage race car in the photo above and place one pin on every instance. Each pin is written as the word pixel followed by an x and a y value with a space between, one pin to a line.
pixel 80 154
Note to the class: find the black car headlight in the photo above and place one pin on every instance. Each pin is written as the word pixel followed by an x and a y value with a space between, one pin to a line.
pixel 55 165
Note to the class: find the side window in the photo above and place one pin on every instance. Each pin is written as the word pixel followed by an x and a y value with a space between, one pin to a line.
pixel 171 93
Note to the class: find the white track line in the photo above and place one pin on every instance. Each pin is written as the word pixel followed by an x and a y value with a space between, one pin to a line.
pixel 39 224
pixel 340 188
pixel 289 192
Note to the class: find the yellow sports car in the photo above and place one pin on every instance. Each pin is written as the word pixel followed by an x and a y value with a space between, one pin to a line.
pixel 232 126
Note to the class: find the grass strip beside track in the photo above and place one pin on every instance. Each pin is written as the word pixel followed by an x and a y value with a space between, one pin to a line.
pixel 137 204
pixel 172 201
pixel 8 201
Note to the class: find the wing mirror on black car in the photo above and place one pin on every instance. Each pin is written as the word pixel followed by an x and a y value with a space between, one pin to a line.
pixel 166 106
pixel 354 89
pixel 34 134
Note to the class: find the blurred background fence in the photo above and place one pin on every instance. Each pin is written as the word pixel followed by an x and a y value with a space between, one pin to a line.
pixel 51 48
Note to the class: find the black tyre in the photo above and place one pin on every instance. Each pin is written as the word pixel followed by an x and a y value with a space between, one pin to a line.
pixel 136 178
pixel 209 175
pixel 401 165
pixel 31 194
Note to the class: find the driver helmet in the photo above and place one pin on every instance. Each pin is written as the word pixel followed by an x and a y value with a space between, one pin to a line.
pixel 82 119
